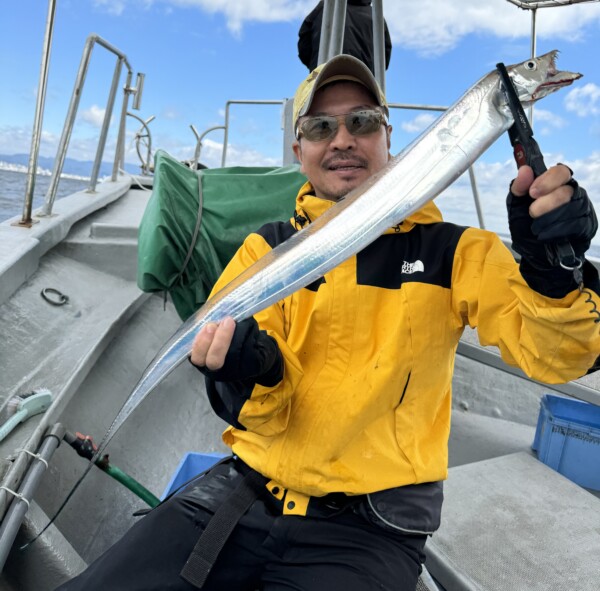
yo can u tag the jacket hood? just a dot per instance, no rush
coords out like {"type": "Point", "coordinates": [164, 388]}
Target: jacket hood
{"type": "Point", "coordinates": [309, 207]}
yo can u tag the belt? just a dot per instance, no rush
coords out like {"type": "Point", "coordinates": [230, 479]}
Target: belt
{"type": "Point", "coordinates": [331, 504]}
{"type": "Point", "coordinates": [219, 528]}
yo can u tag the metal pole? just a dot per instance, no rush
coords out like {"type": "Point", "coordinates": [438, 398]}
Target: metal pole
{"type": "Point", "coordinates": [379, 43]}
{"type": "Point", "coordinates": [198, 147]}
{"type": "Point", "coordinates": [105, 125]}
{"type": "Point", "coordinates": [39, 116]}
{"type": "Point", "coordinates": [199, 139]}
{"type": "Point", "coordinates": [325, 39]}
{"type": "Point", "coordinates": [120, 147]}
{"type": "Point", "coordinates": [472, 178]}
{"type": "Point", "coordinates": [72, 112]}
{"type": "Point", "coordinates": [226, 135]}
{"type": "Point", "coordinates": [136, 104]}
{"type": "Point", "coordinates": [138, 136]}
{"type": "Point", "coordinates": [476, 198]}
{"type": "Point", "coordinates": [416, 107]}
{"type": "Point", "coordinates": [20, 505]}
{"type": "Point", "coordinates": [68, 128]}
{"type": "Point", "coordinates": [289, 136]}
{"type": "Point", "coordinates": [336, 44]}
{"type": "Point", "coordinates": [533, 50]}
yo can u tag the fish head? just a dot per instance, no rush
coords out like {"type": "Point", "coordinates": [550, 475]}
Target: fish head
{"type": "Point", "coordinates": [538, 77]}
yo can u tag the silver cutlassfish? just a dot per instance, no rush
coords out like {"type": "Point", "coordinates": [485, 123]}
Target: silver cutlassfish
{"type": "Point", "coordinates": [416, 175]}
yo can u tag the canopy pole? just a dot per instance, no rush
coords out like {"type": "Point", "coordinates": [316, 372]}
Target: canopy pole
{"type": "Point", "coordinates": [533, 52]}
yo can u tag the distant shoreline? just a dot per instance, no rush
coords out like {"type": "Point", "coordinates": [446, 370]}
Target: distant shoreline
{"type": "Point", "coordinates": [72, 168]}
{"type": "Point", "coordinates": [20, 168]}
{"type": "Point", "coordinates": [11, 194]}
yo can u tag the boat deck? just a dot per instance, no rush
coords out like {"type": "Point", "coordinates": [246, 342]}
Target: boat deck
{"type": "Point", "coordinates": [104, 338]}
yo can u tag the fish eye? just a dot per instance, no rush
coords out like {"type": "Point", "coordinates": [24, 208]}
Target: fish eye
{"type": "Point", "coordinates": [531, 65]}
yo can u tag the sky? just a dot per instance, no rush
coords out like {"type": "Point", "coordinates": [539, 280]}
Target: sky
{"type": "Point", "coordinates": [197, 54]}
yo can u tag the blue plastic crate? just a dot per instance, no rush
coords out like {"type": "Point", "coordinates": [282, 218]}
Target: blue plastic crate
{"type": "Point", "coordinates": [567, 439]}
{"type": "Point", "coordinates": [191, 465]}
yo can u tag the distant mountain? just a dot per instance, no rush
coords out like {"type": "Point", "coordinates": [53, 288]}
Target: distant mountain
{"type": "Point", "coordinates": [71, 166]}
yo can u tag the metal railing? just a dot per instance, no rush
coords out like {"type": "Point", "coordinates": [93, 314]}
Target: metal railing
{"type": "Point", "coordinates": [332, 42]}
{"type": "Point", "coordinates": [472, 177]}
{"type": "Point", "coordinates": [379, 43]}
{"type": "Point", "coordinates": [91, 41]}
{"type": "Point", "coordinates": [491, 358]}
{"type": "Point", "coordinates": [332, 35]}
{"type": "Point", "coordinates": [535, 4]}
{"type": "Point", "coordinates": [242, 102]}
{"type": "Point", "coordinates": [199, 137]}
{"type": "Point", "coordinates": [141, 136]}
{"type": "Point", "coordinates": [26, 220]}
{"type": "Point", "coordinates": [289, 136]}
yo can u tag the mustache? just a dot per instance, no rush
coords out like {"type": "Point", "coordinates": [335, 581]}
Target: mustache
{"type": "Point", "coordinates": [346, 158]}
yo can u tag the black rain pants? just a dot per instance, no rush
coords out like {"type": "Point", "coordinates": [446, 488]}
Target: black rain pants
{"type": "Point", "coordinates": [338, 546]}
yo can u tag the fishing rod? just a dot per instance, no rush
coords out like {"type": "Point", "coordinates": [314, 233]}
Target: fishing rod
{"type": "Point", "coordinates": [526, 150]}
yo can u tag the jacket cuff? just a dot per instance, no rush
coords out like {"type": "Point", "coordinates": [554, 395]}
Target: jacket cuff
{"type": "Point", "coordinates": [556, 282]}
{"type": "Point", "coordinates": [552, 282]}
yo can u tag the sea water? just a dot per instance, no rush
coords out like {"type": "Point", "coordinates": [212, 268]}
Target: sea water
{"type": "Point", "coordinates": [12, 190]}
{"type": "Point", "coordinates": [456, 204]}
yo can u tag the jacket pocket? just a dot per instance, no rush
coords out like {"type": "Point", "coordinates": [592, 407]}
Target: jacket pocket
{"type": "Point", "coordinates": [413, 509]}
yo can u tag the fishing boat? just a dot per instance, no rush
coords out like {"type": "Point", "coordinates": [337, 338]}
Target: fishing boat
{"type": "Point", "coordinates": [89, 292]}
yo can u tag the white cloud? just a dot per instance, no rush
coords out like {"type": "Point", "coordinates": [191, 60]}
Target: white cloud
{"type": "Point", "coordinates": [94, 116]}
{"type": "Point", "coordinates": [236, 12]}
{"type": "Point", "coordinates": [114, 7]}
{"type": "Point", "coordinates": [431, 27]}
{"type": "Point", "coordinates": [493, 179]}
{"type": "Point", "coordinates": [419, 123]}
{"type": "Point", "coordinates": [548, 121]}
{"type": "Point", "coordinates": [548, 117]}
{"type": "Point", "coordinates": [170, 113]}
{"type": "Point", "coordinates": [244, 156]}
{"type": "Point", "coordinates": [584, 101]}
{"type": "Point", "coordinates": [17, 140]}
{"type": "Point", "coordinates": [212, 151]}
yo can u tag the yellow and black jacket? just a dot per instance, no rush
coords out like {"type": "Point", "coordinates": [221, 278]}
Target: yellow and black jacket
{"type": "Point", "coordinates": [365, 398]}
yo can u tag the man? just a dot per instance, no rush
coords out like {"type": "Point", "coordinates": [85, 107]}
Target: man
{"type": "Point", "coordinates": [338, 396]}
{"type": "Point", "coordinates": [358, 35]}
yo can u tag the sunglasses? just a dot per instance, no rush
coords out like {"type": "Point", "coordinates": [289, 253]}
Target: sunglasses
{"type": "Point", "coordinates": [324, 127]}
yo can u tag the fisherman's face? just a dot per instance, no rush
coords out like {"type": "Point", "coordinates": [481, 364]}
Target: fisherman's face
{"type": "Point", "coordinates": [337, 165]}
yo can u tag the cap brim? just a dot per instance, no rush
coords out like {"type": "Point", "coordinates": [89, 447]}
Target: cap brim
{"type": "Point", "coordinates": [342, 67]}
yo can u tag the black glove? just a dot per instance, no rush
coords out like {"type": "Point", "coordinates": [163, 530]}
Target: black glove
{"type": "Point", "coordinates": [535, 239]}
{"type": "Point", "coordinates": [253, 355]}
{"type": "Point", "coordinates": [574, 221]}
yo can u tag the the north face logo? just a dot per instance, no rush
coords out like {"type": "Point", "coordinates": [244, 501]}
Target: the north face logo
{"type": "Point", "coordinates": [409, 268]}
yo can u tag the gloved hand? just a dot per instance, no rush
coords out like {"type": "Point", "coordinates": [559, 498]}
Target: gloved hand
{"type": "Point", "coordinates": [535, 239]}
{"type": "Point", "coordinates": [574, 221]}
{"type": "Point", "coordinates": [252, 355]}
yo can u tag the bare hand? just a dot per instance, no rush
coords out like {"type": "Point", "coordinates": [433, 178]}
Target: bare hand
{"type": "Point", "coordinates": [548, 191]}
{"type": "Point", "coordinates": [212, 343]}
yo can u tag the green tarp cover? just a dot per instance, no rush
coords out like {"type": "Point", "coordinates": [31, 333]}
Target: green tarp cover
{"type": "Point", "coordinates": [235, 202]}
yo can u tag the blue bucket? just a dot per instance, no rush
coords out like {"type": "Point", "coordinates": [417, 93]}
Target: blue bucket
{"type": "Point", "coordinates": [567, 439]}
{"type": "Point", "coordinates": [191, 465]}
